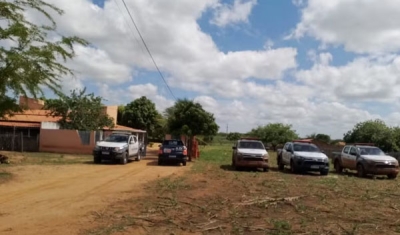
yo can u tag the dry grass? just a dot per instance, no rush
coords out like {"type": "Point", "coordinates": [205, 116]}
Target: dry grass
{"type": "Point", "coordinates": [213, 199]}
{"type": "Point", "coordinates": [38, 158]}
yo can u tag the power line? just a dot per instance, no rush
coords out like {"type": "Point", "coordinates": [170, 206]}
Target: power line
{"type": "Point", "coordinates": [151, 56]}
{"type": "Point", "coordinates": [129, 26]}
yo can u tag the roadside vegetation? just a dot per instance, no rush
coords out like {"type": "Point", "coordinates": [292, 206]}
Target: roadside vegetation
{"type": "Point", "coordinates": [211, 198]}
{"type": "Point", "coordinates": [26, 158]}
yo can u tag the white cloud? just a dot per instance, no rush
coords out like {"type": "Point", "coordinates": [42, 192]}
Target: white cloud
{"type": "Point", "coordinates": [362, 26]}
{"type": "Point", "coordinates": [363, 79]}
{"type": "Point", "coordinates": [226, 14]}
{"type": "Point", "coordinates": [232, 85]}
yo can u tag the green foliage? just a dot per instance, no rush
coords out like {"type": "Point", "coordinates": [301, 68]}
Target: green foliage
{"type": "Point", "coordinates": [320, 137]}
{"type": "Point", "coordinates": [120, 113]}
{"type": "Point", "coordinates": [188, 117]}
{"type": "Point", "coordinates": [233, 136]}
{"type": "Point", "coordinates": [274, 133]}
{"type": "Point", "coordinates": [141, 114]}
{"type": "Point", "coordinates": [31, 60]}
{"type": "Point", "coordinates": [79, 111]}
{"type": "Point", "coordinates": [374, 131]}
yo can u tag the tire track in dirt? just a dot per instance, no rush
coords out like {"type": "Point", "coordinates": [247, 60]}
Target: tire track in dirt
{"type": "Point", "coordinates": [96, 189]}
{"type": "Point", "coordinates": [62, 196]}
{"type": "Point", "coordinates": [60, 182]}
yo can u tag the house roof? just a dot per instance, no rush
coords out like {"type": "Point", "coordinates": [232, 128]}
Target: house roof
{"type": "Point", "coordinates": [37, 116]}
{"type": "Point", "coordinates": [124, 128]}
{"type": "Point", "coordinates": [20, 124]}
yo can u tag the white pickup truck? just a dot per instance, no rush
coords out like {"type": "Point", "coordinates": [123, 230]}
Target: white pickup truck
{"type": "Point", "coordinates": [119, 147]}
{"type": "Point", "coordinates": [303, 156]}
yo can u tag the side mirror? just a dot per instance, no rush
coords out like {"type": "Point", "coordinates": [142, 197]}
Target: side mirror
{"type": "Point", "coordinates": [233, 147]}
{"type": "Point", "coordinates": [132, 141]}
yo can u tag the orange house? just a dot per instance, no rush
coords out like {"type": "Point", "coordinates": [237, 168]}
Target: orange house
{"type": "Point", "coordinates": [35, 130]}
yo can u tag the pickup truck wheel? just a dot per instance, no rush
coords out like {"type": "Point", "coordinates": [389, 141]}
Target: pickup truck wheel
{"type": "Point", "coordinates": [97, 160]}
{"type": "Point", "coordinates": [124, 159]}
{"type": "Point", "coordinates": [360, 170]}
{"type": "Point", "coordinates": [160, 162]}
{"type": "Point", "coordinates": [184, 163]}
{"type": "Point", "coordinates": [392, 176]}
{"type": "Point", "coordinates": [281, 166]}
{"type": "Point", "coordinates": [265, 169]}
{"type": "Point", "coordinates": [324, 172]}
{"type": "Point", "coordinates": [293, 168]}
{"type": "Point", "coordinates": [338, 167]}
{"type": "Point", "coordinates": [138, 156]}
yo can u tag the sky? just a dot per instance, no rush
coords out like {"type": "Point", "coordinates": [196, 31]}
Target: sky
{"type": "Point", "coordinates": [321, 66]}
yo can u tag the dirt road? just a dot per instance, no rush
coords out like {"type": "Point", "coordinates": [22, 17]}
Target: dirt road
{"type": "Point", "coordinates": [57, 199]}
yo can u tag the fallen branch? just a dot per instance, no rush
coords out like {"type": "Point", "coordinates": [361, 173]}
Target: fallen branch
{"type": "Point", "coordinates": [214, 228]}
{"type": "Point", "coordinates": [268, 200]}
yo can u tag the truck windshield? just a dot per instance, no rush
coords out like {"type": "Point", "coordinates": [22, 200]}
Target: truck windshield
{"type": "Point", "coordinates": [305, 148]}
{"type": "Point", "coordinates": [250, 145]}
{"type": "Point", "coordinates": [370, 151]}
{"type": "Point", "coordinates": [116, 138]}
{"type": "Point", "coordinates": [173, 142]}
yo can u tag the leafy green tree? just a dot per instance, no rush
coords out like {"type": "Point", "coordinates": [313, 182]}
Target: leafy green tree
{"type": "Point", "coordinates": [141, 114]}
{"type": "Point", "coordinates": [373, 131]}
{"type": "Point", "coordinates": [79, 111]}
{"type": "Point", "coordinates": [320, 137]}
{"type": "Point", "coordinates": [120, 113]}
{"type": "Point", "coordinates": [233, 136]}
{"type": "Point", "coordinates": [188, 117]}
{"type": "Point", "coordinates": [31, 59]}
{"type": "Point", "coordinates": [274, 133]}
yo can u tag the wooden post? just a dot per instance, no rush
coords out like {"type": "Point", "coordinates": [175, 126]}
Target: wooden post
{"type": "Point", "coordinates": [22, 141]}
{"type": "Point", "coordinates": [13, 139]}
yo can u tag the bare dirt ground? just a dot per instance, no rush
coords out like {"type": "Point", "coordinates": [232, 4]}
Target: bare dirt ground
{"type": "Point", "coordinates": [212, 198]}
{"type": "Point", "coordinates": [57, 199]}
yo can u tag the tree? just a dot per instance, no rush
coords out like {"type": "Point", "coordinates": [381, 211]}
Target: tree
{"type": "Point", "coordinates": [373, 131]}
{"type": "Point", "coordinates": [275, 133]}
{"type": "Point", "coordinates": [141, 114]}
{"type": "Point", "coordinates": [31, 59]}
{"type": "Point", "coordinates": [188, 117]}
{"type": "Point", "coordinates": [120, 113]}
{"type": "Point", "coordinates": [320, 137]}
{"type": "Point", "coordinates": [79, 111]}
{"type": "Point", "coordinates": [233, 136]}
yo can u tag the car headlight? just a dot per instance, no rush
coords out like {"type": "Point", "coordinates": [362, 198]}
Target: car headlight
{"type": "Point", "coordinates": [96, 147]}
{"type": "Point", "coordinates": [300, 157]}
{"type": "Point", "coordinates": [119, 148]}
{"type": "Point", "coordinates": [326, 160]}
{"type": "Point", "coordinates": [265, 156]}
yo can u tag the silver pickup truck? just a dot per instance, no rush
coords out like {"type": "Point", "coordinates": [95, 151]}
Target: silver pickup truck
{"type": "Point", "coordinates": [366, 159]}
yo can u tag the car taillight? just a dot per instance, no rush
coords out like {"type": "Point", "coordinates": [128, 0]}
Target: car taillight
{"type": "Point", "coordinates": [160, 151]}
{"type": "Point", "coordinates": [184, 151]}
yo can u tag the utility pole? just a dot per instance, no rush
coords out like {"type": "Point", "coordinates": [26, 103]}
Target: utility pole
{"type": "Point", "coordinates": [227, 127]}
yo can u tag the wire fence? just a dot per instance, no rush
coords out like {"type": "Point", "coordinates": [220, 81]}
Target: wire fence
{"type": "Point", "coordinates": [19, 142]}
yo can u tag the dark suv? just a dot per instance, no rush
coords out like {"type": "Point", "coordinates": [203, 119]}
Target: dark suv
{"type": "Point", "coordinates": [172, 151]}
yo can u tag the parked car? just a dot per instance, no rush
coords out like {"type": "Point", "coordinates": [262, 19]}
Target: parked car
{"type": "Point", "coordinates": [366, 159]}
{"type": "Point", "coordinates": [173, 151]}
{"type": "Point", "coordinates": [249, 153]}
{"type": "Point", "coordinates": [303, 156]}
{"type": "Point", "coordinates": [118, 147]}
